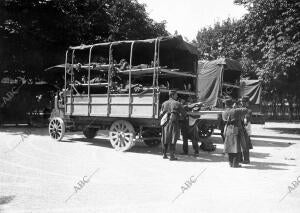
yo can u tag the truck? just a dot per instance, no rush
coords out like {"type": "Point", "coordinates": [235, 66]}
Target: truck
{"type": "Point", "coordinates": [216, 81]}
{"type": "Point", "coordinates": [120, 86]}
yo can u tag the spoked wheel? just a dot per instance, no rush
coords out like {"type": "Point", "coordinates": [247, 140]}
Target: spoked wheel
{"type": "Point", "coordinates": [57, 128]}
{"type": "Point", "coordinates": [90, 132]}
{"type": "Point", "coordinates": [152, 137]}
{"type": "Point", "coordinates": [121, 135]}
{"type": "Point", "coordinates": [205, 131]}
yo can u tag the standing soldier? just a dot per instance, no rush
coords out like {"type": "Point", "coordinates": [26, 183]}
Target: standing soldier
{"type": "Point", "coordinates": [246, 124]}
{"type": "Point", "coordinates": [171, 130]}
{"type": "Point", "coordinates": [234, 142]}
{"type": "Point", "coordinates": [187, 131]}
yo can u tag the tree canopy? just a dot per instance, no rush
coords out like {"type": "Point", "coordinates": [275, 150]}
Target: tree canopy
{"type": "Point", "coordinates": [35, 33]}
{"type": "Point", "coordinates": [266, 41]}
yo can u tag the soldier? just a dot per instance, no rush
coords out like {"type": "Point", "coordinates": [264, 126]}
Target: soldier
{"type": "Point", "coordinates": [171, 130]}
{"type": "Point", "coordinates": [246, 124]}
{"type": "Point", "coordinates": [234, 142]}
{"type": "Point", "coordinates": [186, 131]}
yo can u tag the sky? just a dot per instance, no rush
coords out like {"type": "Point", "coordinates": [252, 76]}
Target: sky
{"type": "Point", "coordinates": [189, 16]}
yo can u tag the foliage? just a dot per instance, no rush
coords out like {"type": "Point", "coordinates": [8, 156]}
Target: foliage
{"type": "Point", "coordinates": [219, 41]}
{"type": "Point", "coordinates": [35, 33]}
{"type": "Point", "coordinates": [266, 41]}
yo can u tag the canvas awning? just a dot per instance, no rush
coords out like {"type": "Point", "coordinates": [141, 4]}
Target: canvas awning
{"type": "Point", "coordinates": [252, 89]}
{"type": "Point", "coordinates": [210, 76]}
{"type": "Point", "coordinates": [171, 41]}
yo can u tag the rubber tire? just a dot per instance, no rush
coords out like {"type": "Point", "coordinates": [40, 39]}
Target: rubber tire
{"type": "Point", "coordinates": [62, 130]}
{"type": "Point", "coordinates": [118, 127]}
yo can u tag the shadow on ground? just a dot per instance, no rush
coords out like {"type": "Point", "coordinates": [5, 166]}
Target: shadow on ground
{"type": "Point", "coordinates": [6, 199]}
{"type": "Point", "coordinates": [275, 137]}
{"type": "Point", "coordinates": [266, 166]}
{"type": "Point", "coordinates": [270, 143]}
{"type": "Point", "coordinates": [217, 156]}
{"type": "Point", "coordinates": [285, 130]}
{"type": "Point", "coordinates": [256, 141]}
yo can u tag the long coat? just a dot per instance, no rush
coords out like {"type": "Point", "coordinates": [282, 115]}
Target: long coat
{"type": "Point", "coordinates": [171, 131]}
{"type": "Point", "coordinates": [247, 117]}
{"type": "Point", "coordinates": [235, 141]}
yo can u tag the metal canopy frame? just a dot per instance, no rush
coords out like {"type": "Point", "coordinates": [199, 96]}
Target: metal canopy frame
{"type": "Point", "coordinates": [111, 65]}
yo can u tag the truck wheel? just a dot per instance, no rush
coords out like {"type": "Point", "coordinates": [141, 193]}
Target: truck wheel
{"type": "Point", "coordinates": [154, 136]}
{"type": "Point", "coordinates": [90, 132]}
{"type": "Point", "coordinates": [57, 128]}
{"type": "Point", "coordinates": [121, 135]}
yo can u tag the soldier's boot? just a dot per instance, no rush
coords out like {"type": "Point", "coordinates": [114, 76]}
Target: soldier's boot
{"type": "Point", "coordinates": [196, 148]}
{"type": "Point", "coordinates": [185, 147]}
{"type": "Point", "coordinates": [235, 160]}
{"type": "Point", "coordinates": [246, 157]}
{"type": "Point", "coordinates": [172, 152]}
{"type": "Point", "coordinates": [230, 159]}
{"type": "Point", "coordinates": [164, 150]}
{"type": "Point", "coordinates": [240, 157]}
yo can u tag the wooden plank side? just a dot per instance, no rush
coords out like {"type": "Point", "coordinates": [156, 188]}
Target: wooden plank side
{"type": "Point", "coordinates": [99, 110]}
{"type": "Point", "coordinates": [81, 99]}
{"type": "Point", "coordinates": [119, 110]}
{"type": "Point", "coordinates": [142, 111]}
{"type": "Point", "coordinates": [147, 99]}
{"type": "Point", "coordinates": [141, 106]}
{"type": "Point", "coordinates": [119, 99]}
{"type": "Point", "coordinates": [81, 109]}
{"type": "Point", "coordinates": [99, 100]}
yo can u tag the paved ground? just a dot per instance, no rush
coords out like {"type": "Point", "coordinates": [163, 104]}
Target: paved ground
{"type": "Point", "coordinates": [38, 174]}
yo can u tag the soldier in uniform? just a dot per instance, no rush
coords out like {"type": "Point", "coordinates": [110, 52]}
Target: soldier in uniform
{"type": "Point", "coordinates": [246, 124]}
{"type": "Point", "coordinates": [186, 131]}
{"type": "Point", "coordinates": [234, 142]}
{"type": "Point", "coordinates": [171, 130]}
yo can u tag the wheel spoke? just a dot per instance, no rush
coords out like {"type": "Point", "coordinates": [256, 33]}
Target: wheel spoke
{"type": "Point", "coordinates": [116, 143]}
{"type": "Point", "coordinates": [114, 136]}
{"type": "Point", "coordinates": [121, 135]}
{"type": "Point", "coordinates": [123, 143]}
{"type": "Point", "coordinates": [56, 128]}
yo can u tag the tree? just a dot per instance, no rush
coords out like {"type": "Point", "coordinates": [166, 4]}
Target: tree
{"type": "Point", "coordinates": [265, 41]}
{"type": "Point", "coordinates": [273, 31]}
{"type": "Point", "coordinates": [35, 33]}
{"type": "Point", "coordinates": [220, 41]}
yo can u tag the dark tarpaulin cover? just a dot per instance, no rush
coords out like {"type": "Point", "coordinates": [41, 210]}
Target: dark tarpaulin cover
{"type": "Point", "coordinates": [169, 43]}
{"type": "Point", "coordinates": [252, 89]}
{"type": "Point", "coordinates": [210, 78]}
{"type": "Point", "coordinates": [209, 82]}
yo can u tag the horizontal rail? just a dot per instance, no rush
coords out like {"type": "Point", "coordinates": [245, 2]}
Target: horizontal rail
{"type": "Point", "coordinates": [161, 70]}
{"type": "Point", "coordinates": [83, 46]}
{"type": "Point", "coordinates": [230, 85]}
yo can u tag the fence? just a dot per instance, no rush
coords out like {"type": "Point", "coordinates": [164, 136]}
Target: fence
{"type": "Point", "coordinates": [281, 111]}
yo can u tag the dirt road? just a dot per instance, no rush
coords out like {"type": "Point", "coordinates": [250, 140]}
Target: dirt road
{"type": "Point", "coordinates": [38, 174]}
